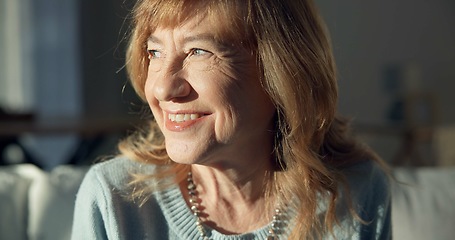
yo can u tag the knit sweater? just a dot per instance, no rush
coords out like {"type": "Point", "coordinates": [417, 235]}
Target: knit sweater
{"type": "Point", "coordinates": [104, 208]}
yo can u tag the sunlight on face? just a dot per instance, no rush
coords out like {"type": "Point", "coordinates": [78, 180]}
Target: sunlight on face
{"type": "Point", "coordinates": [206, 95]}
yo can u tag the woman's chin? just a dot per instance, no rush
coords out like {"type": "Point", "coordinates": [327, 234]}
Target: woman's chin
{"type": "Point", "coordinates": [181, 157]}
{"type": "Point", "coordinates": [186, 152]}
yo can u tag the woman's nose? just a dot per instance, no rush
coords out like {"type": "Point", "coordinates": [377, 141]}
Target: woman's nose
{"type": "Point", "coordinates": [170, 83]}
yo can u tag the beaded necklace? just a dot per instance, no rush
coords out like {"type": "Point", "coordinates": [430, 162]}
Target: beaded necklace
{"type": "Point", "coordinates": [275, 228]}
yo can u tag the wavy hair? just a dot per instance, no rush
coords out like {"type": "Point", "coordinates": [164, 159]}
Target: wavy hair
{"type": "Point", "coordinates": [312, 143]}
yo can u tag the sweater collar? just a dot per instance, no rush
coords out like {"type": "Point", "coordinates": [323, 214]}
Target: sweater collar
{"type": "Point", "coordinates": [181, 220]}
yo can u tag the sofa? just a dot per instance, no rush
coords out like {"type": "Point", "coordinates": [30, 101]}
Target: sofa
{"type": "Point", "coordinates": [35, 204]}
{"type": "Point", "coordinates": [38, 205]}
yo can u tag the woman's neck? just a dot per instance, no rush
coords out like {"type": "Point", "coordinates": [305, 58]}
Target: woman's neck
{"type": "Point", "coordinates": [234, 201]}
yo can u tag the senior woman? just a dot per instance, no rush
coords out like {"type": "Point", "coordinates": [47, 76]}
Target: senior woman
{"type": "Point", "coordinates": [245, 142]}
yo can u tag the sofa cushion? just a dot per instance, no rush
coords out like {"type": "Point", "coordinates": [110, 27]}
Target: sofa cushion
{"type": "Point", "coordinates": [423, 203]}
{"type": "Point", "coordinates": [14, 185]}
{"type": "Point", "coordinates": [52, 201]}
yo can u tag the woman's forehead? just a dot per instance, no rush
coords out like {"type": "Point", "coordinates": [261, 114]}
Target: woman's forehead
{"type": "Point", "coordinates": [173, 13]}
{"type": "Point", "coordinates": [208, 25]}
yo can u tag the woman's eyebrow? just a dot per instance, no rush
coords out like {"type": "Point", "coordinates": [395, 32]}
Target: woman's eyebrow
{"type": "Point", "coordinates": [154, 39]}
{"type": "Point", "coordinates": [206, 37]}
{"type": "Point", "coordinates": [203, 37]}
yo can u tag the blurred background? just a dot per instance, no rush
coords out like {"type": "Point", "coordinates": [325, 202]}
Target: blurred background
{"type": "Point", "coordinates": [65, 101]}
{"type": "Point", "coordinates": [396, 75]}
{"type": "Point", "coordinates": [63, 89]}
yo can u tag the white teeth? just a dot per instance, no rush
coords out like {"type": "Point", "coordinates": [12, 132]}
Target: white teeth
{"type": "Point", "coordinates": [179, 117]}
{"type": "Point", "coordinates": [187, 117]}
{"type": "Point", "coordinates": [183, 117]}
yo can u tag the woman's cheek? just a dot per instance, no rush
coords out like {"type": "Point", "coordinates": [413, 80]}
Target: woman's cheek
{"type": "Point", "coordinates": [203, 65]}
{"type": "Point", "coordinates": [155, 65]}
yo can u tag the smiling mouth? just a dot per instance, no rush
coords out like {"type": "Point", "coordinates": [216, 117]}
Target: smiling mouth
{"type": "Point", "coordinates": [180, 117]}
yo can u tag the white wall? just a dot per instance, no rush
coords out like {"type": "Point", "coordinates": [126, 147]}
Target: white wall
{"type": "Point", "coordinates": [370, 35]}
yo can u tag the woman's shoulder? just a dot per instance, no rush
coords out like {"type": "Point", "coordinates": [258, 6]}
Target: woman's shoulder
{"type": "Point", "coordinates": [369, 197]}
{"type": "Point", "coordinates": [120, 164]}
{"type": "Point", "coordinates": [105, 207]}
{"type": "Point", "coordinates": [118, 171]}
{"type": "Point", "coordinates": [366, 170]}
{"type": "Point", "coordinates": [368, 179]}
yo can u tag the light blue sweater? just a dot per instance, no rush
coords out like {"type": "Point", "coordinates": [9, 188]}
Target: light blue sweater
{"type": "Point", "coordinates": [104, 209]}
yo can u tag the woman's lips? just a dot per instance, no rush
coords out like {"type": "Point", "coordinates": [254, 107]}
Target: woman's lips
{"type": "Point", "coordinates": [180, 121]}
{"type": "Point", "coordinates": [183, 117]}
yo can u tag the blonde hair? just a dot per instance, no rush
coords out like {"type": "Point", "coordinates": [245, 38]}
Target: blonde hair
{"type": "Point", "coordinates": [288, 37]}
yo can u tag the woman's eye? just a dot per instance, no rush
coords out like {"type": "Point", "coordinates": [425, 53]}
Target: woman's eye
{"type": "Point", "coordinates": [199, 52]}
{"type": "Point", "coordinates": [153, 54]}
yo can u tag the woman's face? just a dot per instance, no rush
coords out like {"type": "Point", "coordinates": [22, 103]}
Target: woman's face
{"type": "Point", "coordinates": [206, 95]}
